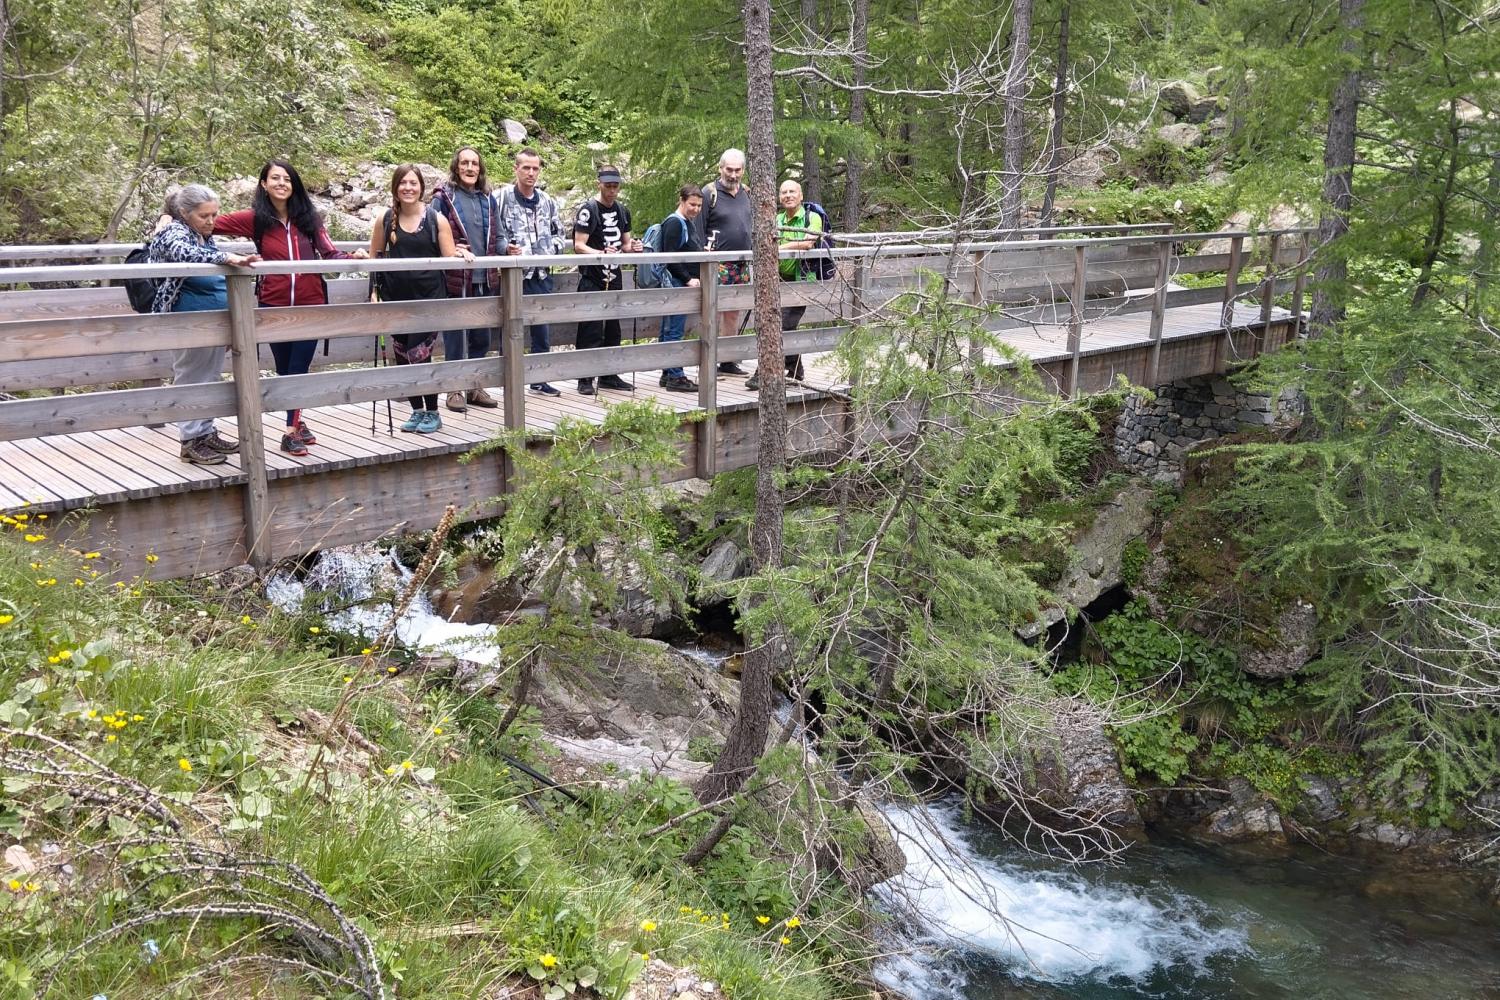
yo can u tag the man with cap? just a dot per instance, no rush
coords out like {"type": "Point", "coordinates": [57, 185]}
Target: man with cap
{"type": "Point", "coordinates": [602, 228]}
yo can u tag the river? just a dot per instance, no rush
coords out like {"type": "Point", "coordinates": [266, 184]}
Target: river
{"type": "Point", "coordinates": [1181, 919]}
{"type": "Point", "coordinates": [1173, 919]}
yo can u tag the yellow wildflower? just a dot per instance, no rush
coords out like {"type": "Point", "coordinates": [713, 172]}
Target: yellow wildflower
{"type": "Point", "coordinates": [33, 887]}
{"type": "Point", "coordinates": [53, 660]}
{"type": "Point", "coordinates": [185, 764]}
{"type": "Point", "coordinates": [794, 923]}
{"type": "Point", "coordinates": [41, 517]}
{"type": "Point", "coordinates": [15, 885]}
{"type": "Point", "coordinates": [407, 765]}
{"type": "Point", "coordinates": [152, 557]}
{"type": "Point", "coordinates": [91, 555]}
{"type": "Point", "coordinates": [7, 619]}
{"type": "Point", "coordinates": [390, 770]}
{"type": "Point", "coordinates": [390, 670]}
{"type": "Point", "coordinates": [704, 919]}
{"type": "Point", "coordinates": [648, 926]}
{"type": "Point", "coordinates": [348, 678]}
{"type": "Point", "coordinates": [36, 538]}
{"type": "Point", "coordinates": [365, 651]}
{"type": "Point", "coordinates": [437, 730]}
{"type": "Point", "coordinates": [92, 713]}
{"type": "Point", "coordinates": [547, 961]}
{"type": "Point", "coordinates": [77, 582]}
{"type": "Point", "coordinates": [786, 940]}
{"type": "Point", "coordinates": [684, 909]}
{"type": "Point", "coordinates": [110, 738]}
{"type": "Point", "coordinates": [762, 920]}
{"type": "Point", "coordinates": [64, 654]}
{"type": "Point", "coordinates": [245, 619]}
{"type": "Point", "coordinates": [314, 629]}
{"type": "Point", "coordinates": [137, 718]}
{"type": "Point", "coordinates": [645, 956]}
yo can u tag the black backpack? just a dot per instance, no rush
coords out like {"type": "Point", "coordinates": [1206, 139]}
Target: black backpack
{"type": "Point", "coordinates": [820, 266]}
{"type": "Point", "coordinates": [140, 291]}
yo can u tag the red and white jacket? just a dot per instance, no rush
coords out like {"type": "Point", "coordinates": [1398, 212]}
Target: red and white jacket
{"type": "Point", "coordinates": [284, 242]}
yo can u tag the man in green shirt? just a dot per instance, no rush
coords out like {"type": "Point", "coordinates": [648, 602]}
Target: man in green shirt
{"type": "Point", "coordinates": [797, 229]}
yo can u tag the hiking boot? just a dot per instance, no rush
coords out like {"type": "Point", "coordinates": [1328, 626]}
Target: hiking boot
{"type": "Point", "coordinates": [614, 382]}
{"type": "Point", "coordinates": [414, 421]}
{"type": "Point", "coordinates": [585, 387]}
{"type": "Point", "coordinates": [753, 382]}
{"type": "Point", "coordinates": [292, 445]}
{"type": "Point", "coordinates": [544, 389]}
{"type": "Point", "coordinates": [478, 397]}
{"type": "Point", "coordinates": [304, 433]}
{"type": "Point", "coordinates": [457, 403]}
{"type": "Point", "coordinates": [220, 444]}
{"type": "Point", "coordinates": [198, 452]}
{"type": "Point", "coordinates": [678, 383]}
{"type": "Point", "coordinates": [730, 368]}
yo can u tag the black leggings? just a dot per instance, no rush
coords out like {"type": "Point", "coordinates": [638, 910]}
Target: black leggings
{"type": "Point", "coordinates": [293, 357]}
{"type": "Point", "coordinates": [409, 340]}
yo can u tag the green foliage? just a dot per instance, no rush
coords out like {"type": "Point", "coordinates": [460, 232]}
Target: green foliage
{"type": "Point", "coordinates": [1193, 207]}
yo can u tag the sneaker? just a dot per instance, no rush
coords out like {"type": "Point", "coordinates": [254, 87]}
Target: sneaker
{"type": "Point", "coordinates": [545, 389]}
{"type": "Point", "coordinates": [457, 403]}
{"type": "Point", "coordinates": [220, 444]}
{"type": "Point", "coordinates": [479, 397]}
{"type": "Point", "coordinates": [585, 387]}
{"type": "Point", "coordinates": [614, 382]}
{"type": "Point", "coordinates": [753, 382]}
{"type": "Point", "coordinates": [796, 372]}
{"type": "Point", "coordinates": [678, 383]}
{"type": "Point", "coordinates": [198, 452]}
{"type": "Point", "coordinates": [414, 422]}
{"type": "Point", "coordinates": [292, 445]}
{"type": "Point", "coordinates": [304, 433]}
{"type": "Point", "coordinates": [431, 423]}
{"type": "Point", "coordinates": [730, 368]}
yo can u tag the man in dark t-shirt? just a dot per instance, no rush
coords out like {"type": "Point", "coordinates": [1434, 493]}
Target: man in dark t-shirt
{"type": "Point", "coordinates": [602, 228]}
{"type": "Point", "coordinates": [724, 224]}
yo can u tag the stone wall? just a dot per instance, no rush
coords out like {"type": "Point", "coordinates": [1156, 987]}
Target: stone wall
{"type": "Point", "coordinates": [1151, 437]}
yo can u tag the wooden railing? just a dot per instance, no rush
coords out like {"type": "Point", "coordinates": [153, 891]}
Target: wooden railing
{"type": "Point", "coordinates": [78, 336]}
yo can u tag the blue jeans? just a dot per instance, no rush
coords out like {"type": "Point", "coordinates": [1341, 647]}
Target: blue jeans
{"type": "Point", "coordinates": [540, 332]}
{"type": "Point", "coordinates": [672, 327]}
{"type": "Point", "coordinates": [459, 345]}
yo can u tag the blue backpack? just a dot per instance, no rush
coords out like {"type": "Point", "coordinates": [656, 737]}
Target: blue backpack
{"type": "Point", "coordinates": [655, 275]}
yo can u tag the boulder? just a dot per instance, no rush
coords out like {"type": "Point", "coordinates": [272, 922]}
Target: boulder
{"type": "Point", "coordinates": [1295, 646]}
{"type": "Point", "coordinates": [1248, 816]}
{"type": "Point", "coordinates": [1096, 563]}
{"type": "Point", "coordinates": [1322, 800]}
{"type": "Point", "coordinates": [1203, 109]}
{"type": "Point", "coordinates": [1181, 135]}
{"type": "Point", "coordinates": [1078, 775]}
{"type": "Point", "coordinates": [1280, 217]}
{"type": "Point", "coordinates": [1085, 170]}
{"type": "Point", "coordinates": [1178, 97]}
{"type": "Point", "coordinates": [239, 191]}
{"type": "Point", "coordinates": [515, 132]}
{"type": "Point", "coordinates": [725, 562]}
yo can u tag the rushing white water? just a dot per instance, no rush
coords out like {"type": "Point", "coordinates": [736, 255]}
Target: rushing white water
{"type": "Point", "coordinates": [353, 576]}
{"type": "Point", "coordinates": [1048, 926]}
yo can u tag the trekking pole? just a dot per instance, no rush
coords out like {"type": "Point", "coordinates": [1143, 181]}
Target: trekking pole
{"type": "Point", "coordinates": [390, 421]}
{"type": "Point", "coordinates": [374, 363]}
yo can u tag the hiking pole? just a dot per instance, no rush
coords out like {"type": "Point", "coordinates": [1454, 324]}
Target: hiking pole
{"type": "Point", "coordinates": [390, 422]}
{"type": "Point", "coordinates": [374, 363]}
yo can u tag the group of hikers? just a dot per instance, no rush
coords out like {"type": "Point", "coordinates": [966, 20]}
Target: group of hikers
{"type": "Point", "coordinates": [465, 218]}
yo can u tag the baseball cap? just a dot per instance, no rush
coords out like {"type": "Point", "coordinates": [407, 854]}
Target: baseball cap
{"type": "Point", "coordinates": [610, 175]}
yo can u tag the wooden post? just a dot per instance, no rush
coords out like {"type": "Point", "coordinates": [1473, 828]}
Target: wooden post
{"type": "Point", "coordinates": [976, 299]}
{"type": "Point", "coordinates": [245, 365]}
{"type": "Point", "coordinates": [1159, 311]}
{"type": "Point", "coordinates": [860, 288]}
{"type": "Point", "coordinates": [708, 368]}
{"type": "Point", "coordinates": [1075, 320]}
{"type": "Point", "coordinates": [513, 365]}
{"type": "Point", "coordinates": [1300, 286]}
{"type": "Point", "coordinates": [1226, 313]}
{"type": "Point", "coordinates": [1267, 298]}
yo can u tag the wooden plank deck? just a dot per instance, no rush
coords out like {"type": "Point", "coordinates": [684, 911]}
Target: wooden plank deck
{"type": "Point", "coordinates": [97, 468]}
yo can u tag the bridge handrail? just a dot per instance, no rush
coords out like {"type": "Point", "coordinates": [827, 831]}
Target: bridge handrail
{"type": "Point", "coordinates": [108, 272]}
{"type": "Point", "coordinates": [45, 251]}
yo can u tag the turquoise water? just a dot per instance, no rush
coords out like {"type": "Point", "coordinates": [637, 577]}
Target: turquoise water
{"type": "Point", "coordinates": [1179, 919]}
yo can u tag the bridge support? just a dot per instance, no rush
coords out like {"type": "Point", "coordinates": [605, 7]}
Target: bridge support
{"type": "Point", "coordinates": [245, 363]}
{"type": "Point", "coordinates": [708, 369]}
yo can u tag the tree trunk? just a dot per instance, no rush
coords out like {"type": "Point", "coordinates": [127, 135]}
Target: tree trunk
{"type": "Point", "coordinates": [746, 740]}
{"type": "Point", "coordinates": [859, 41]}
{"type": "Point", "coordinates": [1338, 178]}
{"type": "Point", "coordinates": [1484, 260]}
{"type": "Point", "coordinates": [812, 173]}
{"type": "Point", "coordinates": [1059, 106]}
{"type": "Point", "coordinates": [1014, 156]}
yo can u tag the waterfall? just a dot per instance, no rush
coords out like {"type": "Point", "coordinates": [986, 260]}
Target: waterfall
{"type": "Point", "coordinates": [1056, 926]}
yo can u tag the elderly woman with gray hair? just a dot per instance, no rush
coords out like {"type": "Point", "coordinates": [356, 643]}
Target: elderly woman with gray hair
{"type": "Point", "coordinates": [189, 239]}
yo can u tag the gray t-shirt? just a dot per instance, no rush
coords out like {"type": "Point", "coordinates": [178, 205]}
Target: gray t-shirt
{"type": "Point", "coordinates": [728, 213]}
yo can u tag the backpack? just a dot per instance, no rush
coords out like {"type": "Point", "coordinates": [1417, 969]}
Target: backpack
{"type": "Point", "coordinates": [820, 267]}
{"type": "Point", "coordinates": [649, 275]}
{"type": "Point", "coordinates": [140, 291]}
{"type": "Point", "coordinates": [655, 275]}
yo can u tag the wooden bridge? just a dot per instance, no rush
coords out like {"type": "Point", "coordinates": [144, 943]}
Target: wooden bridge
{"type": "Point", "coordinates": [73, 442]}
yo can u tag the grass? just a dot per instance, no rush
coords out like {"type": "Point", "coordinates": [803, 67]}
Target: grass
{"type": "Point", "coordinates": [463, 875]}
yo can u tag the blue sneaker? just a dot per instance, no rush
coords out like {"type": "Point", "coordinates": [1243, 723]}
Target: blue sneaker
{"type": "Point", "coordinates": [431, 422]}
{"type": "Point", "coordinates": [414, 422]}
{"type": "Point", "coordinates": [545, 389]}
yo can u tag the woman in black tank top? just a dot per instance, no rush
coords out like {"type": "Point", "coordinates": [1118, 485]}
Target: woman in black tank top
{"type": "Point", "coordinates": [411, 230]}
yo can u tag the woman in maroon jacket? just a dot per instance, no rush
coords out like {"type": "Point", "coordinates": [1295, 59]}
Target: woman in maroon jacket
{"type": "Point", "coordinates": [285, 226]}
